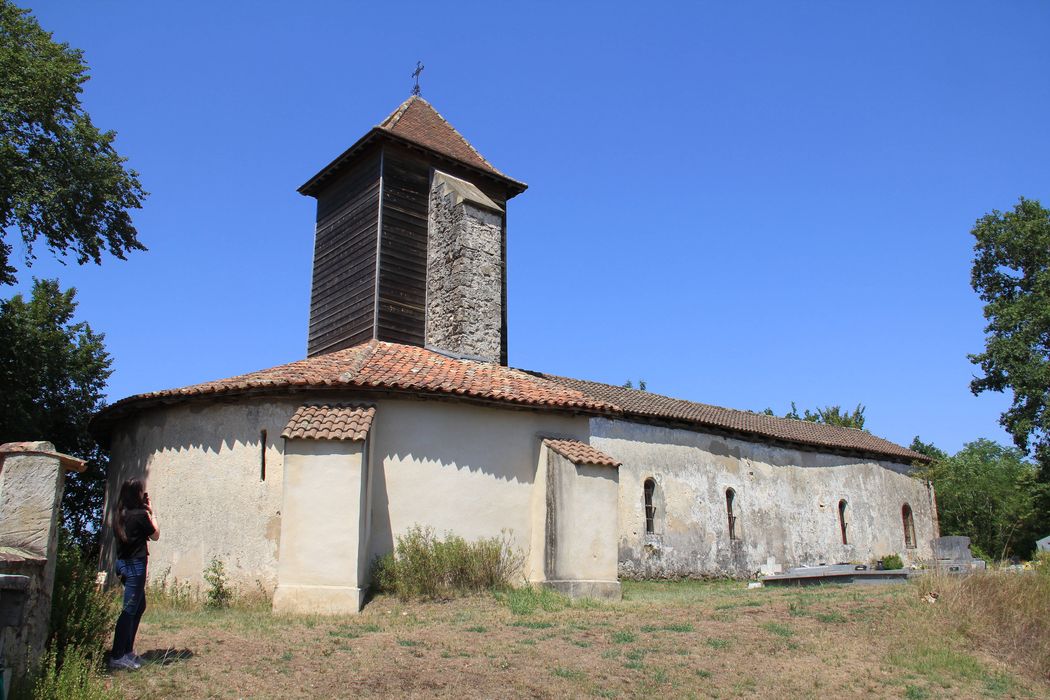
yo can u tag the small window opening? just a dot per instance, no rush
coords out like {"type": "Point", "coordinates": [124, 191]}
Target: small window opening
{"type": "Point", "coordinates": [843, 522]}
{"type": "Point", "coordinates": [262, 455]}
{"type": "Point", "coordinates": [730, 497]}
{"type": "Point", "coordinates": [909, 526]}
{"type": "Point", "coordinates": [648, 489]}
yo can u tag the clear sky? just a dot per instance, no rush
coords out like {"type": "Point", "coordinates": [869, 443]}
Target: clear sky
{"type": "Point", "coordinates": [743, 203]}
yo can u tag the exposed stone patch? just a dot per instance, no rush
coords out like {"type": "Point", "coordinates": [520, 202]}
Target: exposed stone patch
{"type": "Point", "coordinates": [464, 309]}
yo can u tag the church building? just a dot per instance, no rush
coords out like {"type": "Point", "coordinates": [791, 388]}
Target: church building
{"type": "Point", "coordinates": [405, 412]}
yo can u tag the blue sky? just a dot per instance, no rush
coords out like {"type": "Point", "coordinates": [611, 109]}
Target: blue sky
{"type": "Point", "coordinates": [745, 204]}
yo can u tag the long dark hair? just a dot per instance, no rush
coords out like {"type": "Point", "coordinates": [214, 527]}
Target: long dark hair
{"type": "Point", "coordinates": [132, 497]}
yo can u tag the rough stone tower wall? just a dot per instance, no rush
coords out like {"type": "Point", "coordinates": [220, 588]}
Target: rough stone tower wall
{"type": "Point", "coordinates": [464, 307]}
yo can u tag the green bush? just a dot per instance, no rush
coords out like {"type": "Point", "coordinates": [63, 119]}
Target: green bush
{"type": "Point", "coordinates": [82, 616]}
{"type": "Point", "coordinates": [423, 566]}
{"type": "Point", "coordinates": [77, 677]}
{"type": "Point", "coordinates": [219, 593]}
{"type": "Point", "coordinates": [892, 561]}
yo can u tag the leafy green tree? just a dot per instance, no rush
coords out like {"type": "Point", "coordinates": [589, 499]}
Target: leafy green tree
{"type": "Point", "coordinates": [60, 177]}
{"type": "Point", "coordinates": [1011, 273]}
{"type": "Point", "coordinates": [928, 449]}
{"type": "Point", "coordinates": [52, 374]}
{"type": "Point", "coordinates": [988, 493]}
{"type": "Point", "coordinates": [829, 415]}
{"type": "Point", "coordinates": [630, 385]}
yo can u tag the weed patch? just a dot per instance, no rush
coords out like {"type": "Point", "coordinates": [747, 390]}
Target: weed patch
{"type": "Point", "coordinates": [778, 629]}
{"type": "Point", "coordinates": [424, 566]}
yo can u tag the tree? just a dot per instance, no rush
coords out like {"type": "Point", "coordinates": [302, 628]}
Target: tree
{"type": "Point", "coordinates": [988, 493]}
{"type": "Point", "coordinates": [1011, 273]}
{"type": "Point", "coordinates": [630, 385]}
{"type": "Point", "coordinates": [60, 177]}
{"type": "Point", "coordinates": [829, 415]}
{"type": "Point", "coordinates": [52, 374]}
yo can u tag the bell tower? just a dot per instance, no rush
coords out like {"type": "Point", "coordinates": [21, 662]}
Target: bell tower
{"type": "Point", "coordinates": [411, 240]}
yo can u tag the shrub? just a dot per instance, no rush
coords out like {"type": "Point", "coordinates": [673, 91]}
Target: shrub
{"type": "Point", "coordinates": [423, 566]}
{"type": "Point", "coordinates": [219, 593]}
{"type": "Point", "coordinates": [892, 561]}
{"type": "Point", "coordinates": [77, 677]}
{"type": "Point", "coordinates": [82, 616]}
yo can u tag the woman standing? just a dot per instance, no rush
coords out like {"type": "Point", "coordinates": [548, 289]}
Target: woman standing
{"type": "Point", "coordinates": [133, 525]}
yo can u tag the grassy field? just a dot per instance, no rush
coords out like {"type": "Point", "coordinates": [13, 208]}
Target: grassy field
{"type": "Point", "coordinates": [665, 639]}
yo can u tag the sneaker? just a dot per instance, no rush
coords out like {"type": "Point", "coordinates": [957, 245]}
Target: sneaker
{"type": "Point", "coordinates": [126, 662]}
{"type": "Point", "coordinates": [138, 659]}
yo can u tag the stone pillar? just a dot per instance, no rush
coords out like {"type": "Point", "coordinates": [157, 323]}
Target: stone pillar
{"type": "Point", "coordinates": [464, 307]}
{"type": "Point", "coordinates": [324, 529]}
{"type": "Point", "coordinates": [32, 477]}
{"type": "Point", "coordinates": [582, 527]}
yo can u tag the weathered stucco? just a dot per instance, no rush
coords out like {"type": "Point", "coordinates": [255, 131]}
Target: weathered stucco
{"type": "Point", "coordinates": [464, 307]}
{"type": "Point", "coordinates": [203, 463]}
{"type": "Point", "coordinates": [581, 528]}
{"type": "Point", "coordinates": [463, 469]}
{"type": "Point", "coordinates": [324, 527]}
{"type": "Point", "coordinates": [457, 468]}
{"type": "Point", "coordinates": [481, 471]}
{"type": "Point", "coordinates": [31, 485]}
{"type": "Point", "coordinates": [786, 503]}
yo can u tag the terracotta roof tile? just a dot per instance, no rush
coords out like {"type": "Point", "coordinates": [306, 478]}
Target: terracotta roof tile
{"type": "Point", "coordinates": [381, 366]}
{"type": "Point", "coordinates": [417, 121]}
{"type": "Point", "coordinates": [580, 452]}
{"type": "Point", "coordinates": [390, 367]}
{"type": "Point", "coordinates": [330, 422]}
{"type": "Point", "coordinates": [645, 404]}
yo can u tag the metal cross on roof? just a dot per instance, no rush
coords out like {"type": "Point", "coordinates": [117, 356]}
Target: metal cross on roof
{"type": "Point", "coordinates": [415, 74]}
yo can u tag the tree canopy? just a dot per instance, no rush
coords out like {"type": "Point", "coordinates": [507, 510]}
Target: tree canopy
{"type": "Point", "coordinates": [988, 493]}
{"type": "Point", "coordinates": [1011, 273]}
{"type": "Point", "coordinates": [829, 415]}
{"type": "Point", "coordinates": [61, 180]}
{"type": "Point", "coordinates": [53, 370]}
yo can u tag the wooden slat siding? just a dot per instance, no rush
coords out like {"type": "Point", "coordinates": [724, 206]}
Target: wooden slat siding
{"type": "Point", "coordinates": [342, 300]}
{"type": "Point", "coordinates": [403, 251]}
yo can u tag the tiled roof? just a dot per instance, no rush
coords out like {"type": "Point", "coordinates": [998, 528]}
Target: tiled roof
{"type": "Point", "coordinates": [385, 367]}
{"type": "Point", "coordinates": [580, 452]}
{"type": "Point", "coordinates": [417, 121]}
{"type": "Point", "coordinates": [330, 422]}
{"type": "Point", "coordinates": [389, 367]}
{"type": "Point", "coordinates": [644, 404]}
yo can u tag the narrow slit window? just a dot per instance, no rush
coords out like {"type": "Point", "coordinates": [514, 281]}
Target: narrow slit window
{"type": "Point", "coordinates": [909, 526]}
{"type": "Point", "coordinates": [843, 520]}
{"type": "Point", "coordinates": [648, 491]}
{"type": "Point", "coordinates": [730, 497]}
{"type": "Point", "coordinates": [262, 455]}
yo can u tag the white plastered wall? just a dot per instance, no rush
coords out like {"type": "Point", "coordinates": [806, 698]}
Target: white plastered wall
{"type": "Point", "coordinates": [463, 469]}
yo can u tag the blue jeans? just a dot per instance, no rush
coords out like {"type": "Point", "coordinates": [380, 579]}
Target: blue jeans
{"type": "Point", "coordinates": [134, 573]}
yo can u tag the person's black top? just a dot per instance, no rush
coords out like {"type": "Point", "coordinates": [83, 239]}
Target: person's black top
{"type": "Point", "coordinates": [137, 528]}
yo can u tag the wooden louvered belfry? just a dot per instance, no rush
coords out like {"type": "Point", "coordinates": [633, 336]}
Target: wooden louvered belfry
{"type": "Point", "coordinates": [370, 249]}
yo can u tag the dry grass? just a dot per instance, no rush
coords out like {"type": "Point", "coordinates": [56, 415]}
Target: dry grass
{"type": "Point", "coordinates": [1004, 613]}
{"type": "Point", "coordinates": [665, 639]}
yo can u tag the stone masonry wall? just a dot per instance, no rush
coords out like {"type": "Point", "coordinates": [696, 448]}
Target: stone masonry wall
{"type": "Point", "coordinates": [464, 308]}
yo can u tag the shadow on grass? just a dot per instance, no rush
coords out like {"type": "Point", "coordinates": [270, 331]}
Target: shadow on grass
{"type": "Point", "coordinates": [166, 657]}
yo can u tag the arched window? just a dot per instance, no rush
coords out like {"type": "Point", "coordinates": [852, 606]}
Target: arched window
{"type": "Point", "coordinates": [843, 521]}
{"type": "Point", "coordinates": [648, 491]}
{"type": "Point", "coordinates": [730, 497]}
{"type": "Point", "coordinates": [909, 526]}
